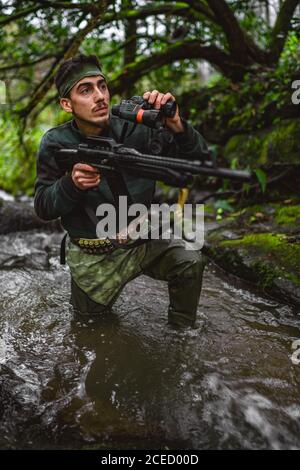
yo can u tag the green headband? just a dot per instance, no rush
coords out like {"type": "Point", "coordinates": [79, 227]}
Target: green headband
{"type": "Point", "coordinates": [86, 71]}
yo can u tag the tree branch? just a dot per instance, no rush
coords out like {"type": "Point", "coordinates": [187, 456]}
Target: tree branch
{"type": "Point", "coordinates": [133, 38]}
{"type": "Point", "coordinates": [42, 4]}
{"type": "Point", "coordinates": [84, 7]}
{"type": "Point", "coordinates": [203, 9]}
{"type": "Point", "coordinates": [130, 33]}
{"type": "Point", "coordinates": [27, 64]}
{"type": "Point", "coordinates": [191, 49]}
{"type": "Point", "coordinates": [281, 29]}
{"type": "Point", "coordinates": [72, 47]}
{"type": "Point", "coordinates": [241, 46]}
{"type": "Point", "coordinates": [8, 18]}
{"type": "Point", "coordinates": [130, 49]}
{"type": "Point", "coordinates": [42, 106]}
{"type": "Point", "coordinates": [137, 14]}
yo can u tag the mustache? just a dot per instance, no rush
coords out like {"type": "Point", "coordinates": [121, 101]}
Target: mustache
{"type": "Point", "coordinates": [100, 106]}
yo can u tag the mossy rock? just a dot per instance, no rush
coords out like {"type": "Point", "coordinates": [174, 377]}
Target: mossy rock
{"type": "Point", "coordinates": [261, 244]}
{"type": "Point", "coordinates": [269, 260]}
{"type": "Point", "coordinates": [274, 250]}
{"type": "Point", "coordinates": [273, 217]}
{"type": "Point", "coordinates": [277, 145]}
{"type": "Point", "coordinates": [289, 216]}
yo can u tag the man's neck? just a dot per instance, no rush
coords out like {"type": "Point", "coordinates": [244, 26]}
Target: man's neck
{"type": "Point", "coordinates": [89, 129]}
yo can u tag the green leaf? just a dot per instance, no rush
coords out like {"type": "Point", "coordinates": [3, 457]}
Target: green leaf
{"type": "Point", "coordinates": [223, 205]}
{"type": "Point", "coordinates": [262, 178]}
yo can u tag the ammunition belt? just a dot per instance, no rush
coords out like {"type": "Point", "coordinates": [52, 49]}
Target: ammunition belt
{"type": "Point", "coordinates": [94, 246]}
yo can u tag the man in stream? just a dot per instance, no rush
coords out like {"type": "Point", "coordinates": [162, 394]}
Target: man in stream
{"type": "Point", "coordinates": [98, 276]}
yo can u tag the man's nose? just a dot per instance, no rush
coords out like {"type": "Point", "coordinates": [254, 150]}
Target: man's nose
{"type": "Point", "coordinates": [98, 95]}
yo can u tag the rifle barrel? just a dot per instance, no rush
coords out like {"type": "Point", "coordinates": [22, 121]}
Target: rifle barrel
{"type": "Point", "coordinates": [133, 158]}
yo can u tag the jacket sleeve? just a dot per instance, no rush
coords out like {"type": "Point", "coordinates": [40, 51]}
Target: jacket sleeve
{"type": "Point", "coordinates": [189, 144]}
{"type": "Point", "coordinates": [55, 193]}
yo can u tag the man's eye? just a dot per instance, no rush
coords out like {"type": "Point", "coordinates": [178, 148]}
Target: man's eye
{"type": "Point", "coordinates": [84, 91]}
{"type": "Point", "coordinates": [103, 86]}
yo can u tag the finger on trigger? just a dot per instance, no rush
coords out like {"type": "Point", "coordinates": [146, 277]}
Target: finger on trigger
{"type": "Point", "coordinates": [90, 174]}
{"type": "Point", "coordinates": [85, 167]}
{"type": "Point", "coordinates": [86, 175]}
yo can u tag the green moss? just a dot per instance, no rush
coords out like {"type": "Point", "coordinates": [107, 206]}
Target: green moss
{"type": "Point", "coordinates": [279, 144]}
{"type": "Point", "coordinates": [282, 215]}
{"type": "Point", "coordinates": [288, 215]}
{"type": "Point", "coordinates": [251, 210]}
{"type": "Point", "coordinates": [274, 252]}
{"type": "Point", "coordinates": [267, 274]}
{"type": "Point", "coordinates": [263, 240]}
{"type": "Point", "coordinates": [246, 148]}
{"type": "Point", "coordinates": [282, 144]}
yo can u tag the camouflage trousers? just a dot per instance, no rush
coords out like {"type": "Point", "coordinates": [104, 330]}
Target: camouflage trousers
{"type": "Point", "coordinates": [97, 280]}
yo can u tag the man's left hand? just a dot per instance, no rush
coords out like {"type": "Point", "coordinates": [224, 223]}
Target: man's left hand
{"type": "Point", "coordinates": [158, 99]}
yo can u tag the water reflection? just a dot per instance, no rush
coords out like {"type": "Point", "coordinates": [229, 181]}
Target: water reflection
{"type": "Point", "coordinates": [128, 380]}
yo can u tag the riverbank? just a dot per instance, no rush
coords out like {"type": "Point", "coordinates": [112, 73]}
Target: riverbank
{"type": "Point", "coordinates": [261, 244]}
{"type": "Point", "coordinates": [258, 243]}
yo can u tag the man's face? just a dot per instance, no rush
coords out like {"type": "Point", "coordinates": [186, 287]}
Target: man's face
{"type": "Point", "coordinates": [89, 101]}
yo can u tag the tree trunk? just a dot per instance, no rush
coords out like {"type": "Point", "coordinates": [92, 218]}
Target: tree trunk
{"type": "Point", "coordinates": [131, 46]}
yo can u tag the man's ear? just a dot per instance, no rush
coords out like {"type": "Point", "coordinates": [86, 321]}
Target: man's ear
{"type": "Point", "coordinates": [66, 105]}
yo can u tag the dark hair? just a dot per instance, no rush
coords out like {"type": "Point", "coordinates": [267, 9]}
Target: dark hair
{"type": "Point", "coordinates": [73, 64]}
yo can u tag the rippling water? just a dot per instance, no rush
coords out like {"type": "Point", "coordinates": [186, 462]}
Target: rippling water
{"type": "Point", "coordinates": [128, 380]}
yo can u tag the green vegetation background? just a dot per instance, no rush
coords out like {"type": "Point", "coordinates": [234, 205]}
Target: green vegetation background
{"type": "Point", "coordinates": [243, 114]}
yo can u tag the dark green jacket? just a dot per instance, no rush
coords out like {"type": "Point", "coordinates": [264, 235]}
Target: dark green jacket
{"type": "Point", "coordinates": [57, 196]}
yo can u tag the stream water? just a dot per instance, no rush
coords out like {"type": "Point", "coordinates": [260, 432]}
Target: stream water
{"type": "Point", "coordinates": [130, 381]}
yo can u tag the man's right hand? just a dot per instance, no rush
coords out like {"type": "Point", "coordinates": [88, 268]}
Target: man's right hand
{"type": "Point", "coordinates": [85, 176]}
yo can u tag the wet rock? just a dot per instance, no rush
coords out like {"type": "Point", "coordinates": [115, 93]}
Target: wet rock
{"type": "Point", "coordinates": [34, 260]}
{"type": "Point", "coordinates": [31, 249]}
{"type": "Point", "coordinates": [262, 245]}
{"type": "Point", "coordinates": [20, 216]}
{"type": "Point", "coordinates": [8, 381]}
{"type": "Point", "coordinates": [288, 290]}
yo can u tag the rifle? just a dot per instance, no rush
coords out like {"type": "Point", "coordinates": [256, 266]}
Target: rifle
{"type": "Point", "coordinates": [107, 156]}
